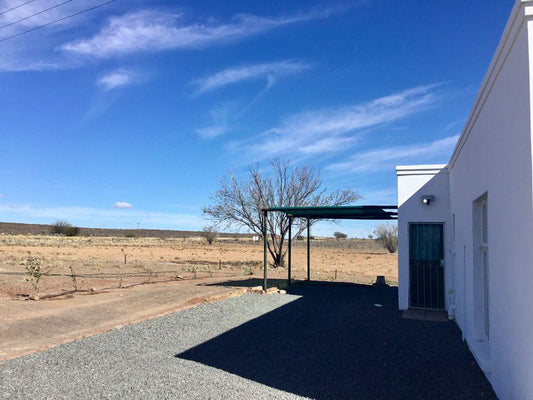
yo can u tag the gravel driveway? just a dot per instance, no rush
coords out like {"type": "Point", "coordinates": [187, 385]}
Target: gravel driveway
{"type": "Point", "coordinates": [319, 341]}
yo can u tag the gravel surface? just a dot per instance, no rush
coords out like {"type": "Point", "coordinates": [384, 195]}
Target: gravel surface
{"type": "Point", "coordinates": [320, 341]}
{"type": "Point", "coordinates": [138, 361]}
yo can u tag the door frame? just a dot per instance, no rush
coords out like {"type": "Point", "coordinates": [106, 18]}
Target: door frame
{"type": "Point", "coordinates": [443, 241]}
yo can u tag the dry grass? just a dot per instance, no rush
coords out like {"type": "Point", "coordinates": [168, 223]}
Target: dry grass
{"type": "Point", "coordinates": [99, 262]}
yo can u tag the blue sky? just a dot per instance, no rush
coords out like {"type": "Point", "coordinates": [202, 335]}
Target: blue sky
{"type": "Point", "coordinates": [133, 112]}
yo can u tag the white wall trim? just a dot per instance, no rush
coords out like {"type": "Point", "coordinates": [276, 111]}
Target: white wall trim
{"type": "Point", "coordinates": [429, 169]}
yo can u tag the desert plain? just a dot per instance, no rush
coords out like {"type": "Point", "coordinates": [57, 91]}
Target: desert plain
{"type": "Point", "coordinates": [80, 264]}
{"type": "Point", "coordinates": [92, 284]}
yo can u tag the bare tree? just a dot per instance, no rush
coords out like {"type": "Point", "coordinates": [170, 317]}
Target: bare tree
{"type": "Point", "coordinates": [210, 233]}
{"type": "Point", "coordinates": [239, 202]}
{"type": "Point", "coordinates": [387, 235]}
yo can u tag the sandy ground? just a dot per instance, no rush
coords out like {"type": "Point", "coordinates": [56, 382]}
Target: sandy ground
{"type": "Point", "coordinates": [93, 284]}
{"type": "Point", "coordinates": [104, 263]}
{"type": "Point", "coordinates": [29, 326]}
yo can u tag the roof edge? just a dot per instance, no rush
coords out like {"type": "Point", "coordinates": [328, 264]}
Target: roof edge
{"type": "Point", "coordinates": [522, 11]}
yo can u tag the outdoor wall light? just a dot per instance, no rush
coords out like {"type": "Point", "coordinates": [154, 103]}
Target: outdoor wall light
{"type": "Point", "coordinates": [427, 199]}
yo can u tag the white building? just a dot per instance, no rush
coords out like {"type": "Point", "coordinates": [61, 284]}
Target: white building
{"type": "Point", "coordinates": [466, 228]}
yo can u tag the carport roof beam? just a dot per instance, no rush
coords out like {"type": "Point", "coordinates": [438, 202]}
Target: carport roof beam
{"type": "Point", "coordinates": [340, 212]}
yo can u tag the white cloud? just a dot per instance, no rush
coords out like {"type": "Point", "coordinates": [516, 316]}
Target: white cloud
{"type": "Point", "coordinates": [118, 78]}
{"type": "Point", "coordinates": [151, 30]}
{"type": "Point", "coordinates": [319, 131]}
{"type": "Point", "coordinates": [122, 204]}
{"type": "Point", "coordinates": [104, 218]}
{"type": "Point", "coordinates": [142, 31]}
{"type": "Point", "coordinates": [13, 63]}
{"type": "Point", "coordinates": [327, 145]}
{"type": "Point", "coordinates": [212, 131]}
{"type": "Point", "coordinates": [385, 158]}
{"type": "Point", "coordinates": [269, 71]}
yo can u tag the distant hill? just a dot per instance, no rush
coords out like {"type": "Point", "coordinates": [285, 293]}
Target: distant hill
{"type": "Point", "coordinates": [11, 228]}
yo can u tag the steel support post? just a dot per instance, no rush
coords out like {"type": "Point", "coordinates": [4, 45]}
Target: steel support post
{"type": "Point", "coordinates": [265, 283]}
{"type": "Point", "coordinates": [290, 248]}
{"type": "Point", "coordinates": [308, 251]}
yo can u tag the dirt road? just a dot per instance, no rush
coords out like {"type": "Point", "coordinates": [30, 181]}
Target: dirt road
{"type": "Point", "coordinates": [29, 326]}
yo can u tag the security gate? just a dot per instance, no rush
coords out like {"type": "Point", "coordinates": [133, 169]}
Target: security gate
{"type": "Point", "coordinates": [426, 266]}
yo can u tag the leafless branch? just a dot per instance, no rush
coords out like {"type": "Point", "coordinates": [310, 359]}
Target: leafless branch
{"type": "Point", "coordinates": [239, 202]}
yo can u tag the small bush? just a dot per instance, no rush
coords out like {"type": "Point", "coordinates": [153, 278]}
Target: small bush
{"type": "Point", "coordinates": [71, 231]}
{"type": "Point", "coordinates": [340, 235]}
{"type": "Point", "coordinates": [73, 278]}
{"type": "Point", "coordinates": [62, 227]}
{"type": "Point", "coordinates": [299, 237]}
{"type": "Point", "coordinates": [34, 271]}
{"type": "Point", "coordinates": [210, 234]}
{"type": "Point", "coordinates": [59, 225]}
{"type": "Point", "coordinates": [387, 235]}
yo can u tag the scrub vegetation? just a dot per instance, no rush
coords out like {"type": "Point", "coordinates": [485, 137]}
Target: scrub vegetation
{"type": "Point", "coordinates": [52, 264]}
{"type": "Point", "coordinates": [210, 234]}
{"type": "Point", "coordinates": [62, 227]}
{"type": "Point", "coordinates": [387, 235]}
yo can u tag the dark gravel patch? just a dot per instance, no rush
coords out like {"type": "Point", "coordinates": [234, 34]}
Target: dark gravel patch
{"type": "Point", "coordinates": [334, 343]}
{"type": "Point", "coordinates": [319, 341]}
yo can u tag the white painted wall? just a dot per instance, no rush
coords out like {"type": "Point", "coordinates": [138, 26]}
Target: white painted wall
{"type": "Point", "coordinates": [493, 156]}
{"type": "Point", "coordinates": [413, 182]}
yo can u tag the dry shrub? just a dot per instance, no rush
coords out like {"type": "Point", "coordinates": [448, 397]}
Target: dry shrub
{"type": "Point", "coordinates": [62, 227]}
{"type": "Point", "coordinates": [387, 235]}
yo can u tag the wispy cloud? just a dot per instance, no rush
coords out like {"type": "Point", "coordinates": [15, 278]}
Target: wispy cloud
{"type": "Point", "coordinates": [327, 145]}
{"type": "Point", "coordinates": [42, 12]}
{"type": "Point", "coordinates": [25, 53]}
{"type": "Point", "coordinates": [118, 78]}
{"type": "Point", "coordinates": [211, 132]}
{"type": "Point", "coordinates": [151, 30]}
{"type": "Point", "coordinates": [330, 130]}
{"type": "Point", "coordinates": [220, 115]}
{"type": "Point", "coordinates": [225, 113]}
{"type": "Point", "coordinates": [269, 71]}
{"type": "Point", "coordinates": [122, 204]}
{"type": "Point", "coordinates": [379, 159]}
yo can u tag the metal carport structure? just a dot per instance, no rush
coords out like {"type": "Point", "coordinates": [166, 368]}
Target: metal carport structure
{"type": "Point", "coordinates": [368, 212]}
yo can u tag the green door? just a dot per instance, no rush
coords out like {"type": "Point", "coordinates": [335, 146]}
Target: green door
{"type": "Point", "coordinates": [426, 266]}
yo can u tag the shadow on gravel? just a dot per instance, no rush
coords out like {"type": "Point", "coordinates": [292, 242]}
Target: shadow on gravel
{"type": "Point", "coordinates": [334, 343]}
